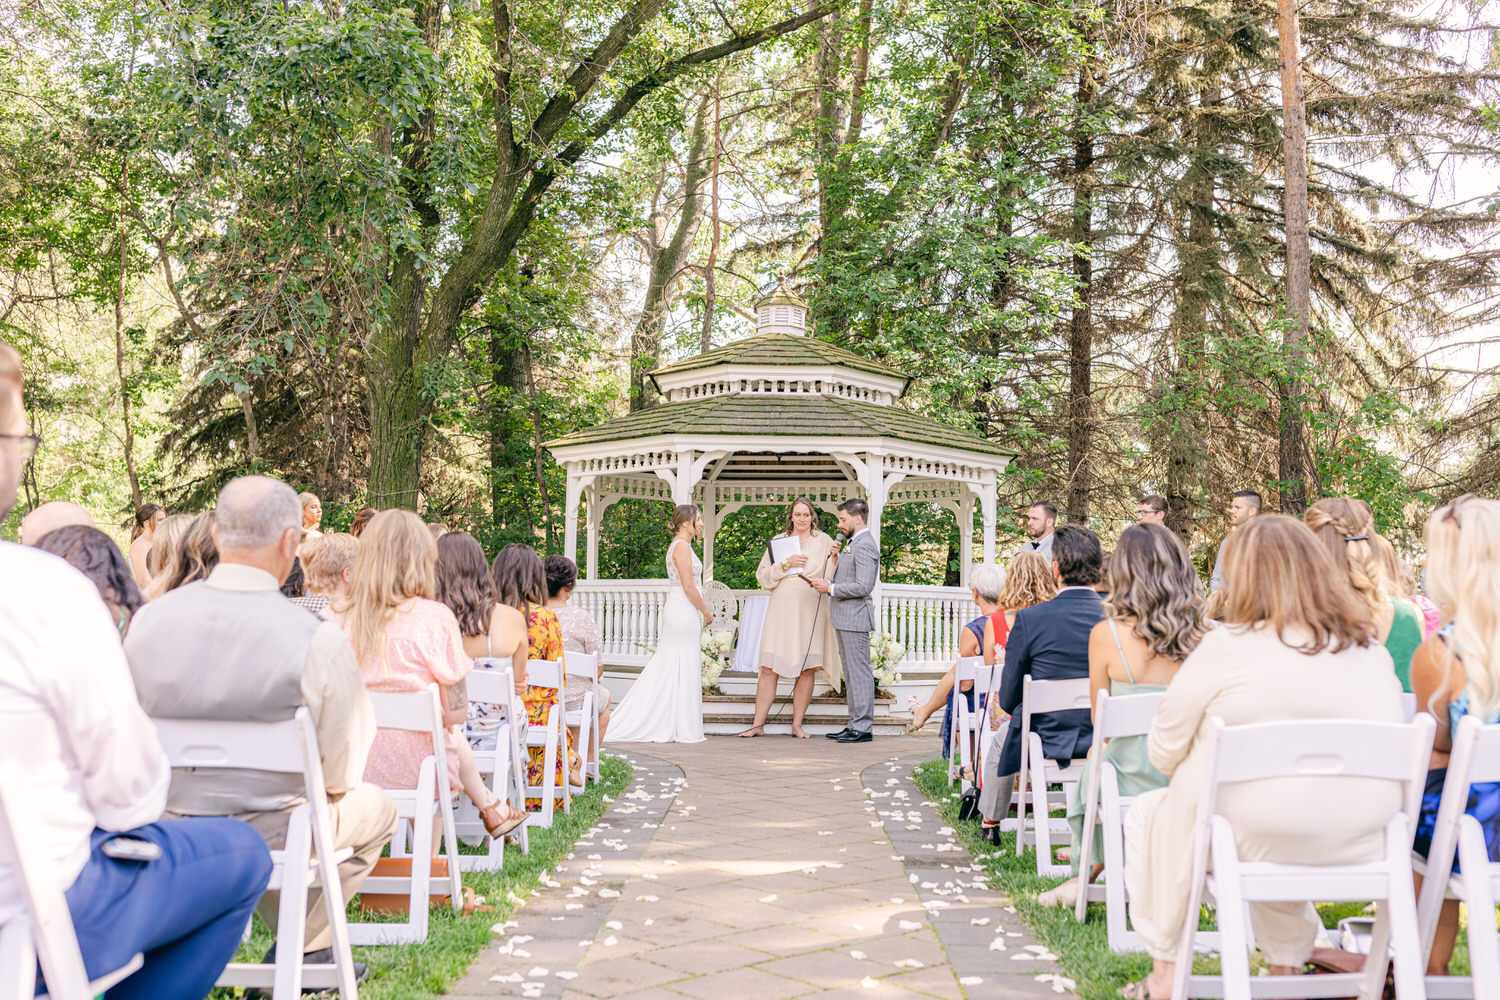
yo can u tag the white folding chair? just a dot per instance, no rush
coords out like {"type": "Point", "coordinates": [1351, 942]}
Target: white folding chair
{"type": "Point", "coordinates": [43, 930]}
{"type": "Point", "coordinates": [1475, 758]}
{"type": "Point", "coordinates": [417, 712]}
{"type": "Point", "coordinates": [491, 681]}
{"type": "Point", "coordinates": [552, 737]}
{"type": "Point", "coordinates": [966, 722]}
{"type": "Point", "coordinates": [1409, 705]}
{"type": "Point", "coordinates": [1038, 773]}
{"type": "Point", "coordinates": [585, 666]}
{"type": "Point", "coordinates": [1329, 750]}
{"type": "Point", "coordinates": [1104, 807]}
{"type": "Point", "coordinates": [307, 859]}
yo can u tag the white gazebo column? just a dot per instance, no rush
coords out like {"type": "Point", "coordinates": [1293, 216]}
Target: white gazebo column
{"type": "Point", "coordinates": [875, 491]}
{"type": "Point", "coordinates": [710, 528]}
{"type": "Point", "coordinates": [987, 512]}
{"type": "Point", "coordinates": [965, 536]}
{"type": "Point", "coordinates": [570, 516]}
{"type": "Point", "coordinates": [684, 481]}
{"type": "Point", "coordinates": [595, 518]}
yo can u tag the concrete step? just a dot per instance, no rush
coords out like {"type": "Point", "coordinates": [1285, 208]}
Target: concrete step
{"type": "Point", "coordinates": [780, 724]}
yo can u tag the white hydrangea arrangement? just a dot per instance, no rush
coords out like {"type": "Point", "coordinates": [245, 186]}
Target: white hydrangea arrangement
{"type": "Point", "coordinates": [885, 655]}
{"type": "Point", "coordinates": [716, 648]}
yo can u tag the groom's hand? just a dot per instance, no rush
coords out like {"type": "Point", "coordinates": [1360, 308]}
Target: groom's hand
{"type": "Point", "coordinates": [821, 586]}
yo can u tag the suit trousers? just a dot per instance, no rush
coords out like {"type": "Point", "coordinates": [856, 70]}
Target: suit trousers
{"type": "Point", "coordinates": [184, 912]}
{"type": "Point", "coordinates": [859, 678]}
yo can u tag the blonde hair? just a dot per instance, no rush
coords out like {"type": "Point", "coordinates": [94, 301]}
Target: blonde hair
{"type": "Point", "coordinates": [1398, 579]}
{"type": "Point", "coordinates": [326, 558]}
{"type": "Point", "coordinates": [397, 561]}
{"type": "Point", "coordinates": [192, 558]}
{"type": "Point", "coordinates": [1345, 527]}
{"type": "Point", "coordinates": [1029, 581]}
{"type": "Point", "coordinates": [1276, 573]}
{"type": "Point", "coordinates": [1463, 573]}
{"type": "Point", "coordinates": [166, 544]}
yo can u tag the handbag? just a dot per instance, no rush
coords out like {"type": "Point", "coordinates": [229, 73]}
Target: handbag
{"type": "Point", "coordinates": [968, 805]}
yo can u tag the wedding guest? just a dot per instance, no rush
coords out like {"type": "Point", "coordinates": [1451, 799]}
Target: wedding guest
{"type": "Point", "coordinates": [328, 564]}
{"type": "Point", "coordinates": [166, 546]}
{"type": "Point", "coordinates": [1041, 521]}
{"type": "Point", "coordinates": [1457, 673]}
{"type": "Point", "coordinates": [1403, 585]}
{"type": "Point", "coordinates": [580, 634]}
{"type": "Point", "coordinates": [1153, 618]}
{"type": "Point", "coordinates": [796, 640]}
{"type": "Point", "coordinates": [1347, 531]}
{"type": "Point", "coordinates": [50, 516]}
{"type": "Point", "coordinates": [295, 584]}
{"type": "Point", "coordinates": [230, 647]}
{"type": "Point", "coordinates": [1151, 509]}
{"type": "Point", "coordinates": [362, 518]}
{"type": "Point", "coordinates": [1030, 582]}
{"type": "Point", "coordinates": [147, 517]}
{"type": "Point", "coordinates": [985, 582]}
{"type": "Point", "coordinates": [1291, 647]}
{"type": "Point", "coordinates": [405, 640]}
{"type": "Point", "coordinates": [312, 517]}
{"type": "Point", "coordinates": [521, 583]}
{"type": "Point", "coordinates": [89, 765]}
{"type": "Point", "coordinates": [438, 530]}
{"type": "Point", "coordinates": [96, 556]}
{"type": "Point", "coordinates": [196, 556]}
{"type": "Point", "coordinates": [1242, 507]}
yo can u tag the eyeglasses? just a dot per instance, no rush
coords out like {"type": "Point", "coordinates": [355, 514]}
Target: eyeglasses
{"type": "Point", "coordinates": [29, 444]}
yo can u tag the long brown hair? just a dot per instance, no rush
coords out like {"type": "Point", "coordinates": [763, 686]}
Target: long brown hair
{"type": "Point", "coordinates": [463, 582]}
{"type": "Point", "coordinates": [684, 513]}
{"type": "Point", "coordinates": [810, 509]}
{"type": "Point", "coordinates": [143, 516]}
{"type": "Point", "coordinates": [193, 558]}
{"type": "Point", "coordinates": [520, 580]}
{"type": "Point", "coordinates": [397, 558]}
{"type": "Point", "coordinates": [1152, 581]}
{"type": "Point", "coordinates": [1277, 575]}
{"type": "Point", "coordinates": [1029, 581]}
{"type": "Point", "coordinates": [1346, 529]}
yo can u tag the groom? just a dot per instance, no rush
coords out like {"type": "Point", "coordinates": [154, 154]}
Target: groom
{"type": "Point", "coordinates": [851, 612]}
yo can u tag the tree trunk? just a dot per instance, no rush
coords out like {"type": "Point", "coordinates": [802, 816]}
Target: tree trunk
{"type": "Point", "coordinates": [706, 335]}
{"type": "Point", "coordinates": [507, 381]}
{"type": "Point", "coordinates": [1293, 425]}
{"type": "Point", "coordinates": [397, 411]}
{"type": "Point", "coordinates": [1081, 323]}
{"type": "Point", "coordinates": [666, 260]}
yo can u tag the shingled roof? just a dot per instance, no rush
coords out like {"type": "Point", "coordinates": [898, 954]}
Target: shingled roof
{"type": "Point", "coordinates": [781, 350]}
{"type": "Point", "coordinates": [782, 416]}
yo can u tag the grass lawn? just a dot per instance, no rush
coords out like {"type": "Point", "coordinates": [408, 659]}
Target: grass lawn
{"type": "Point", "coordinates": [416, 971]}
{"type": "Point", "coordinates": [1082, 949]}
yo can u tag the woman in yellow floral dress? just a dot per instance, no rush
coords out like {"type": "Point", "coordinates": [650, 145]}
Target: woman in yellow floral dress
{"type": "Point", "coordinates": [522, 584]}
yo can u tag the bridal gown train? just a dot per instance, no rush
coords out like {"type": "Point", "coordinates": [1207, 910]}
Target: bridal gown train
{"type": "Point", "coordinates": [665, 704]}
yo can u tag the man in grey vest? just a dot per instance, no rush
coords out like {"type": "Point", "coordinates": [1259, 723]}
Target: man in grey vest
{"type": "Point", "coordinates": [851, 612]}
{"type": "Point", "coordinates": [232, 647]}
{"type": "Point", "coordinates": [1041, 519]}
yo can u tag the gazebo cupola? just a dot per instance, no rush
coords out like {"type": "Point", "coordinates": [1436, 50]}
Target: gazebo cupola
{"type": "Point", "coordinates": [781, 310]}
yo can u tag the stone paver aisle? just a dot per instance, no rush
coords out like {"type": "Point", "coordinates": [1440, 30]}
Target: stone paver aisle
{"type": "Point", "coordinates": [767, 868]}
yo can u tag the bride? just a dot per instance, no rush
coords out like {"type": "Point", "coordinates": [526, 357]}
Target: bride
{"type": "Point", "coordinates": [665, 704]}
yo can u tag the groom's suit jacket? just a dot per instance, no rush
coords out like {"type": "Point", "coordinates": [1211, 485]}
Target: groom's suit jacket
{"type": "Point", "coordinates": [852, 608]}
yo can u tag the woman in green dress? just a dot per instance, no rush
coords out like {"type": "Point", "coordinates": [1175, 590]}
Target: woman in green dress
{"type": "Point", "coordinates": [1153, 618]}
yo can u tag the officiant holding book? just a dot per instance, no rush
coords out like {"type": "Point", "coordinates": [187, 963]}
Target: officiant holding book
{"type": "Point", "coordinates": [797, 639]}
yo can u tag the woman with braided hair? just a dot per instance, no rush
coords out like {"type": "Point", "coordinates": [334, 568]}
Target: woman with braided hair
{"type": "Point", "coordinates": [1346, 528]}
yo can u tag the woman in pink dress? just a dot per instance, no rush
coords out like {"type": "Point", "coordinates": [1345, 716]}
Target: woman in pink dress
{"type": "Point", "coordinates": [404, 641]}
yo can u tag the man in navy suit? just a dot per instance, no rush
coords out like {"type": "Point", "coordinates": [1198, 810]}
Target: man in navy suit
{"type": "Point", "coordinates": [1050, 641]}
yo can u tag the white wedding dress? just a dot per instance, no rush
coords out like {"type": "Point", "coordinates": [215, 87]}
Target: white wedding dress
{"type": "Point", "coordinates": [665, 704]}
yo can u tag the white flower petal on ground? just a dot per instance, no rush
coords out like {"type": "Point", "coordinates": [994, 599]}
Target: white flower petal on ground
{"type": "Point", "coordinates": [567, 974]}
{"type": "Point", "coordinates": [910, 925]}
{"type": "Point", "coordinates": [869, 983]}
{"type": "Point", "coordinates": [509, 977]}
{"type": "Point", "coordinates": [909, 963]}
{"type": "Point", "coordinates": [970, 981]}
{"type": "Point", "coordinates": [611, 941]}
{"type": "Point", "coordinates": [538, 972]}
{"type": "Point", "coordinates": [614, 925]}
{"type": "Point", "coordinates": [998, 944]}
{"type": "Point", "coordinates": [857, 955]}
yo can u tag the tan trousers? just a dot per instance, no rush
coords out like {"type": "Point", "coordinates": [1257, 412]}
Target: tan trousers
{"type": "Point", "coordinates": [364, 819]}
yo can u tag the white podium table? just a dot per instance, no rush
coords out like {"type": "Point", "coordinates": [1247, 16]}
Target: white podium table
{"type": "Point", "coordinates": [752, 621]}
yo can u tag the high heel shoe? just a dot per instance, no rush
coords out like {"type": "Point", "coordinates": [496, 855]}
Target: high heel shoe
{"type": "Point", "coordinates": [991, 834]}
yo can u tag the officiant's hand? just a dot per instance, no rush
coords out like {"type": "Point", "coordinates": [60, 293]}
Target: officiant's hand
{"type": "Point", "coordinates": [821, 586]}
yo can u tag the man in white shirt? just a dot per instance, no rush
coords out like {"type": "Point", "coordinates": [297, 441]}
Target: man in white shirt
{"type": "Point", "coordinates": [1242, 507]}
{"type": "Point", "coordinates": [90, 773]}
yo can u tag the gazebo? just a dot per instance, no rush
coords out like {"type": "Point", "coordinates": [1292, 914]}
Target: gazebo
{"type": "Point", "coordinates": [764, 420]}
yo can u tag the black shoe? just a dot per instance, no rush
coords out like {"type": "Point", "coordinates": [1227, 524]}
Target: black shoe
{"type": "Point", "coordinates": [323, 956]}
{"type": "Point", "coordinates": [850, 736]}
{"type": "Point", "coordinates": [990, 833]}
{"type": "Point", "coordinates": [837, 735]}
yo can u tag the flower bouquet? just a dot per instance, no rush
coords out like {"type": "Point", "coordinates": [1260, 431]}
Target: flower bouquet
{"type": "Point", "coordinates": [885, 655]}
{"type": "Point", "coordinates": [716, 647]}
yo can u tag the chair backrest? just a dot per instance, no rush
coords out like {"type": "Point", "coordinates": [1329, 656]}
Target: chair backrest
{"type": "Point", "coordinates": [581, 664]}
{"type": "Point", "coordinates": [256, 746]}
{"type": "Point", "coordinates": [1475, 757]}
{"type": "Point", "coordinates": [966, 667]}
{"type": "Point", "coordinates": [1409, 705]}
{"type": "Point", "coordinates": [544, 674]}
{"type": "Point", "coordinates": [1041, 697]}
{"type": "Point", "coordinates": [1124, 715]}
{"type": "Point", "coordinates": [414, 711]}
{"type": "Point", "coordinates": [51, 924]}
{"type": "Point", "coordinates": [723, 606]}
{"type": "Point", "coordinates": [494, 683]}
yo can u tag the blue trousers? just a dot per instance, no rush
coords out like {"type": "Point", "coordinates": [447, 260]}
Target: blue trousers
{"type": "Point", "coordinates": [184, 912]}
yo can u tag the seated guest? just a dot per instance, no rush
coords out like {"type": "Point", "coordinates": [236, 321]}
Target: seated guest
{"type": "Point", "coordinates": [1347, 530]}
{"type": "Point", "coordinates": [295, 584]}
{"type": "Point", "coordinates": [438, 530]}
{"type": "Point", "coordinates": [166, 546]}
{"type": "Point", "coordinates": [1457, 673]}
{"type": "Point", "coordinates": [580, 634]}
{"type": "Point", "coordinates": [89, 765]}
{"type": "Point", "coordinates": [196, 556]}
{"type": "Point", "coordinates": [521, 583]}
{"type": "Point", "coordinates": [1153, 618]}
{"type": "Point", "coordinates": [327, 564]}
{"type": "Point", "coordinates": [147, 517]}
{"type": "Point", "coordinates": [404, 641]}
{"type": "Point", "coordinates": [1291, 647]}
{"type": "Point", "coordinates": [231, 647]}
{"type": "Point", "coordinates": [1051, 642]}
{"type": "Point", "coordinates": [985, 582]}
{"type": "Point", "coordinates": [96, 556]}
{"type": "Point", "coordinates": [362, 519]}
{"type": "Point", "coordinates": [1404, 587]}
{"type": "Point", "coordinates": [48, 517]}
{"type": "Point", "coordinates": [1029, 582]}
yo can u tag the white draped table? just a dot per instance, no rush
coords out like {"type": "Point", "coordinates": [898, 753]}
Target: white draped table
{"type": "Point", "coordinates": [752, 620]}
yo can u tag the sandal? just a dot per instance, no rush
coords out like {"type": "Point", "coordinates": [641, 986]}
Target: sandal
{"type": "Point", "coordinates": [494, 822]}
{"type": "Point", "coordinates": [1135, 991]}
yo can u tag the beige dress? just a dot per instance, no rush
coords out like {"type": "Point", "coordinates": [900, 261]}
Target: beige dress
{"type": "Point", "coordinates": [796, 636]}
{"type": "Point", "coordinates": [1244, 676]}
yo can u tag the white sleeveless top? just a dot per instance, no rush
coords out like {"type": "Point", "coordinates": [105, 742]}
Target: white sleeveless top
{"type": "Point", "coordinates": [672, 573]}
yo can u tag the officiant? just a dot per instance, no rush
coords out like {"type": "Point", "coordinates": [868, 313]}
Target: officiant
{"type": "Point", "coordinates": [796, 640]}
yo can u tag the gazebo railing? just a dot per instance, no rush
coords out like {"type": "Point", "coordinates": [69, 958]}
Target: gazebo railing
{"type": "Point", "coordinates": [926, 620]}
